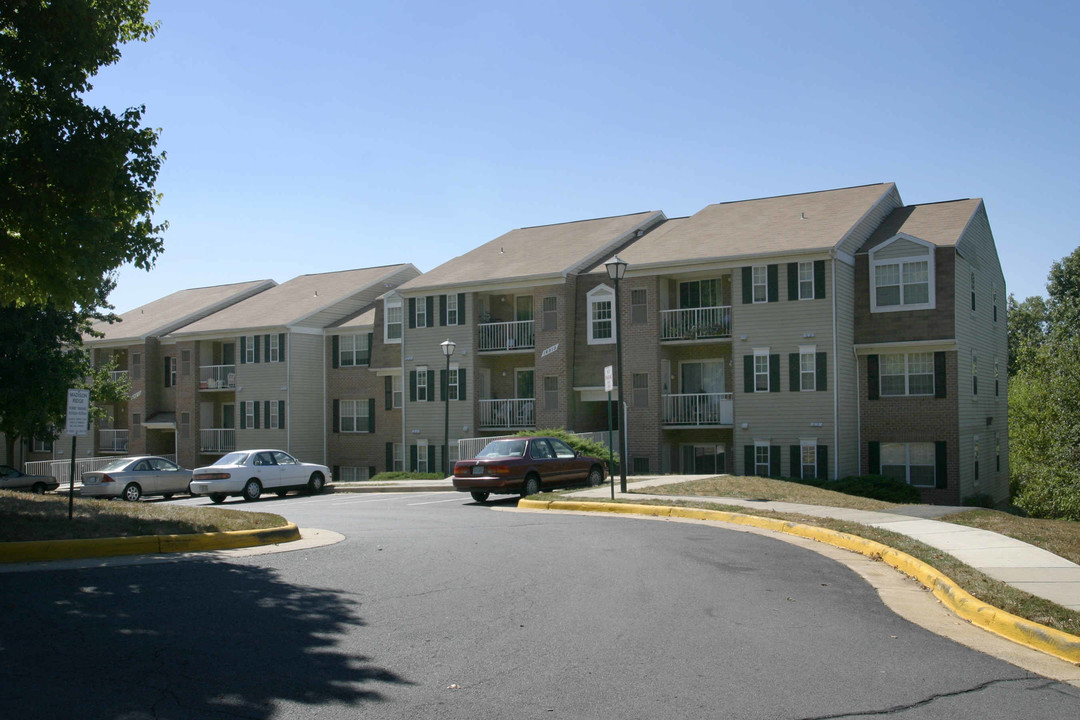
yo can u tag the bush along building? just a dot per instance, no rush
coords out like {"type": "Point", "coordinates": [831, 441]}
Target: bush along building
{"type": "Point", "coordinates": [822, 334]}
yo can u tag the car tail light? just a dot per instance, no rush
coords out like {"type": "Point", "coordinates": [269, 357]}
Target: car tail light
{"type": "Point", "coordinates": [498, 469]}
{"type": "Point", "coordinates": [213, 476]}
{"type": "Point", "coordinates": [107, 478]}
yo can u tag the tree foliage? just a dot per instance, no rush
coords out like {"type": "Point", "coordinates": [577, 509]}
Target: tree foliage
{"type": "Point", "coordinates": [76, 182]}
{"type": "Point", "coordinates": [1026, 328]}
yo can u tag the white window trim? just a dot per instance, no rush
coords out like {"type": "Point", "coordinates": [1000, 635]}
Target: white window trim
{"type": "Point", "coordinates": [421, 312]}
{"type": "Point", "coordinates": [399, 458]}
{"type": "Point", "coordinates": [758, 444]}
{"type": "Point", "coordinates": [907, 462]}
{"type": "Point", "coordinates": [907, 377]}
{"type": "Point", "coordinates": [754, 284]}
{"type": "Point", "coordinates": [800, 281]}
{"type": "Point", "coordinates": [452, 382]}
{"type": "Point", "coordinates": [810, 350]}
{"type": "Point", "coordinates": [249, 349]}
{"type": "Point", "coordinates": [600, 293]}
{"type": "Point", "coordinates": [423, 460]}
{"type": "Point", "coordinates": [974, 375]}
{"type": "Point", "coordinates": [808, 443]}
{"type": "Point", "coordinates": [762, 352]}
{"type": "Point", "coordinates": [249, 414]}
{"type": "Point", "coordinates": [397, 391]}
{"type": "Point", "coordinates": [930, 275]}
{"type": "Point", "coordinates": [275, 348]}
{"type": "Point", "coordinates": [396, 305]}
{"type": "Point", "coordinates": [359, 416]}
{"type": "Point", "coordinates": [421, 373]}
{"type": "Point", "coordinates": [451, 307]}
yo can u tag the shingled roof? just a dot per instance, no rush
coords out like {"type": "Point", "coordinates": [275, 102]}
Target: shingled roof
{"type": "Point", "coordinates": [939, 223]}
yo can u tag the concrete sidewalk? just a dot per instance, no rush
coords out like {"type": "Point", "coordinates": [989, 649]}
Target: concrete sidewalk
{"type": "Point", "coordinates": [1013, 562]}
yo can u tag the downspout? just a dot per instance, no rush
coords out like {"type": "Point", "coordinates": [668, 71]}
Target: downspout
{"type": "Point", "coordinates": [836, 375]}
{"type": "Point", "coordinates": [288, 393]}
{"type": "Point", "coordinates": [858, 416]}
{"type": "Point", "coordinates": [404, 394]}
{"type": "Point", "coordinates": [325, 439]}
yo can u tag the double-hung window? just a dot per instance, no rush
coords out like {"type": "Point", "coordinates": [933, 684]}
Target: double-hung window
{"type": "Point", "coordinates": [398, 395]}
{"type": "Point", "coordinates": [761, 283]}
{"type": "Point", "coordinates": [249, 349]}
{"type": "Point", "coordinates": [354, 350]}
{"type": "Point", "coordinates": [275, 348]}
{"type": "Point", "coordinates": [392, 322]}
{"type": "Point", "coordinates": [761, 371]}
{"type": "Point", "coordinates": [451, 309]}
{"type": "Point", "coordinates": [806, 280]}
{"type": "Point", "coordinates": [601, 319]}
{"type": "Point", "coordinates": [421, 384]}
{"type": "Point", "coordinates": [913, 463]}
{"type": "Point", "coordinates": [907, 374]}
{"type": "Point", "coordinates": [902, 275]}
{"type": "Point", "coordinates": [452, 382]}
{"type": "Point", "coordinates": [807, 367]}
{"type": "Point", "coordinates": [421, 312]}
{"type": "Point", "coordinates": [421, 456]}
{"type": "Point", "coordinates": [354, 416]}
{"type": "Point", "coordinates": [249, 413]}
{"type": "Point", "coordinates": [399, 457]}
{"type": "Point", "coordinates": [808, 459]}
{"type": "Point", "coordinates": [275, 420]}
{"type": "Point", "coordinates": [761, 459]}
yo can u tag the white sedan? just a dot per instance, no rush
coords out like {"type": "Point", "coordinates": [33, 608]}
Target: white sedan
{"type": "Point", "coordinates": [248, 472]}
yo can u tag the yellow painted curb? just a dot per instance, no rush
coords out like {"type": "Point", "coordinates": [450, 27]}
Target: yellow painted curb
{"type": "Point", "coordinates": [1039, 637]}
{"type": "Point", "coordinates": [38, 550]}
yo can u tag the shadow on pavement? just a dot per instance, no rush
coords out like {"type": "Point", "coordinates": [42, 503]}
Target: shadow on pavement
{"type": "Point", "coordinates": [180, 640]}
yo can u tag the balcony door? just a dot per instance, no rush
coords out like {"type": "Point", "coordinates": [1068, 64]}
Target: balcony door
{"type": "Point", "coordinates": [700, 294]}
{"type": "Point", "coordinates": [523, 308]}
{"type": "Point", "coordinates": [228, 415]}
{"type": "Point", "coordinates": [228, 354]}
{"type": "Point", "coordinates": [524, 384]}
{"type": "Point", "coordinates": [706, 376]}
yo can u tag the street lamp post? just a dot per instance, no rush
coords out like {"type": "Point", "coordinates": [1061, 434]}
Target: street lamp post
{"type": "Point", "coordinates": [616, 270]}
{"type": "Point", "coordinates": [448, 350]}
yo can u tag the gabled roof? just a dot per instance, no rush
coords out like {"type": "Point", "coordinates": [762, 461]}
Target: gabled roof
{"type": "Point", "coordinates": [172, 312]}
{"type": "Point", "coordinates": [363, 319]}
{"type": "Point", "coordinates": [544, 251]}
{"type": "Point", "coordinates": [291, 302]}
{"type": "Point", "coordinates": [940, 223]}
{"type": "Point", "coordinates": [806, 222]}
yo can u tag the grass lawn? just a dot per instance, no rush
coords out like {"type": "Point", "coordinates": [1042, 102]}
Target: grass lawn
{"type": "Point", "coordinates": [45, 517]}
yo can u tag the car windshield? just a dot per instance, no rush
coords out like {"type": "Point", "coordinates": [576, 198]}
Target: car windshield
{"type": "Point", "coordinates": [503, 448]}
{"type": "Point", "coordinates": [117, 464]}
{"type": "Point", "coordinates": [234, 458]}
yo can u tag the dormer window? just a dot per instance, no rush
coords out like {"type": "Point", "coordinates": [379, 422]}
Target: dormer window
{"type": "Point", "coordinates": [901, 275]}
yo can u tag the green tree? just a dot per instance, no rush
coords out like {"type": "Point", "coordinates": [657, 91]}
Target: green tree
{"type": "Point", "coordinates": [76, 182]}
{"type": "Point", "coordinates": [1063, 290]}
{"type": "Point", "coordinates": [1027, 327]}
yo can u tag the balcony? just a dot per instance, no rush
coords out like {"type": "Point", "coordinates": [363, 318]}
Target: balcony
{"type": "Point", "coordinates": [217, 377]}
{"type": "Point", "coordinates": [518, 335]}
{"type": "Point", "coordinates": [696, 323]}
{"type": "Point", "coordinates": [213, 440]}
{"type": "Point", "coordinates": [698, 410]}
{"type": "Point", "coordinates": [511, 413]}
{"type": "Point", "coordinates": [112, 441]}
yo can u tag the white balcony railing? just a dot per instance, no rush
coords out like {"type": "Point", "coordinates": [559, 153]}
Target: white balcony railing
{"type": "Point", "coordinates": [112, 441]}
{"type": "Point", "coordinates": [217, 377]}
{"type": "Point", "coordinates": [698, 409]}
{"type": "Point", "coordinates": [695, 323]}
{"type": "Point", "coordinates": [508, 413]}
{"type": "Point", "coordinates": [217, 439]}
{"type": "Point", "coordinates": [115, 375]}
{"type": "Point", "coordinates": [517, 335]}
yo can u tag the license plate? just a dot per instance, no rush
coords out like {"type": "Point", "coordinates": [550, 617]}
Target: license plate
{"type": "Point", "coordinates": [477, 469]}
{"type": "Point", "coordinates": [90, 481]}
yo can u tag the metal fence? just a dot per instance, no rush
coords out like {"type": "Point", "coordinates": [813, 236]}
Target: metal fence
{"type": "Point", "coordinates": [61, 469]}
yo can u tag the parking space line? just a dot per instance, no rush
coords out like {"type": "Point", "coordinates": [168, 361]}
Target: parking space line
{"type": "Point", "coordinates": [433, 502]}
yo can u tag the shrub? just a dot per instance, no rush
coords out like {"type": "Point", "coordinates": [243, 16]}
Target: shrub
{"type": "Point", "coordinates": [587, 447]}
{"type": "Point", "coordinates": [406, 476]}
{"type": "Point", "coordinates": [875, 487]}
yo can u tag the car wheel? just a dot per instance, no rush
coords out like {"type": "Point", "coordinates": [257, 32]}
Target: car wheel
{"type": "Point", "coordinates": [132, 492]}
{"type": "Point", "coordinates": [532, 486]}
{"type": "Point", "coordinates": [479, 496]}
{"type": "Point", "coordinates": [252, 490]}
{"type": "Point", "coordinates": [281, 493]}
{"type": "Point", "coordinates": [217, 498]}
{"type": "Point", "coordinates": [596, 476]}
{"type": "Point", "coordinates": [38, 489]}
{"type": "Point", "coordinates": [316, 484]}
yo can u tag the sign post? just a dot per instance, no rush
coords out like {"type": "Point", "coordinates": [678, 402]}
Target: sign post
{"type": "Point", "coordinates": [78, 421]}
{"type": "Point", "coordinates": [609, 385]}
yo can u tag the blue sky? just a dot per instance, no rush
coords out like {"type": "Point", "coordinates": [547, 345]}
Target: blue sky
{"type": "Point", "coordinates": [320, 136]}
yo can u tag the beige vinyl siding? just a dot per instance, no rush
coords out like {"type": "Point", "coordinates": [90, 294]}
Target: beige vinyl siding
{"type": "Point", "coordinates": [260, 382]}
{"type": "Point", "coordinates": [304, 423]}
{"type": "Point", "coordinates": [783, 417]}
{"type": "Point", "coordinates": [846, 377]}
{"type": "Point", "coordinates": [901, 249]}
{"type": "Point", "coordinates": [986, 414]}
{"type": "Point", "coordinates": [867, 225]}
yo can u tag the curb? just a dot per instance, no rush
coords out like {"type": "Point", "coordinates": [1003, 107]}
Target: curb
{"type": "Point", "coordinates": [1025, 632]}
{"type": "Point", "coordinates": [386, 488]}
{"type": "Point", "coordinates": [38, 550]}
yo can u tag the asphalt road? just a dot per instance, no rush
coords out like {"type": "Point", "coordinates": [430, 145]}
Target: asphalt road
{"type": "Point", "coordinates": [434, 607]}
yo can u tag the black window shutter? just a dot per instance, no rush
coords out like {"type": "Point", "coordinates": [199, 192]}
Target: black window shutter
{"type": "Point", "coordinates": [388, 390]}
{"type": "Point", "coordinates": [461, 384]}
{"type": "Point", "coordinates": [371, 471]}
{"type": "Point", "coordinates": [873, 453]}
{"type": "Point", "coordinates": [773, 273]}
{"type": "Point", "coordinates": [747, 285]}
{"type": "Point", "coordinates": [335, 351]}
{"type": "Point", "coordinates": [431, 385]}
{"type": "Point", "coordinates": [941, 470]}
{"type": "Point", "coordinates": [430, 300]}
{"type": "Point", "coordinates": [243, 349]}
{"type": "Point", "coordinates": [166, 371]}
{"type": "Point", "coordinates": [873, 391]}
{"type": "Point", "coordinates": [442, 310]}
{"type": "Point", "coordinates": [442, 386]}
{"type": "Point", "coordinates": [796, 461]}
{"type": "Point", "coordinates": [256, 353]}
{"type": "Point", "coordinates": [748, 373]}
{"type": "Point", "coordinates": [281, 414]}
{"type": "Point", "coordinates": [336, 469]}
{"type": "Point", "coordinates": [266, 348]}
{"type": "Point", "coordinates": [389, 457]}
{"type": "Point", "coordinates": [266, 413]}
{"type": "Point", "coordinates": [243, 416]}
{"type": "Point", "coordinates": [774, 372]}
{"type": "Point", "coordinates": [255, 412]}
{"type": "Point", "coordinates": [412, 313]}
{"type": "Point", "coordinates": [337, 416]}
{"type": "Point", "coordinates": [371, 415]}
{"type": "Point", "coordinates": [941, 388]}
{"type": "Point", "coordinates": [774, 461]}
{"type": "Point", "coordinates": [461, 308]}
{"type": "Point", "coordinates": [370, 346]}
{"type": "Point", "coordinates": [281, 347]}
{"type": "Point", "coordinates": [793, 281]}
{"type": "Point", "coordinates": [793, 372]}
{"type": "Point", "coordinates": [748, 460]}
{"type": "Point", "coordinates": [823, 462]}
{"type": "Point", "coordinates": [412, 386]}
{"type": "Point", "coordinates": [819, 279]}
{"type": "Point", "coordinates": [412, 458]}
{"type": "Point", "coordinates": [822, 371]}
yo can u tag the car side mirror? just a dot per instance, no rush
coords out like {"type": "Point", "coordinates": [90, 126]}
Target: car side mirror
{"type": "Point", "coordinates": [577, 454]}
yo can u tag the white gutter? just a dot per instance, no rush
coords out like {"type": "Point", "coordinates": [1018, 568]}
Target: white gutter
{"type": "Point", "coordinates": [326, 440]}
{"type": "Point", "coordinates": [288, 390]}
{"type": "Point", "coordinates": [858, 415]}
{"type": "Point", "coordinates": [836, 375]}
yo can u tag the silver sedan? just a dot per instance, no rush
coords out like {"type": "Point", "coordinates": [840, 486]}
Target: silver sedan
{"type": "Point", "coordinates": [132, 477]}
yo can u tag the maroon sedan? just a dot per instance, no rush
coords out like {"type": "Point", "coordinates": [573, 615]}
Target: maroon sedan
{"type": "Point", "coordinates": [525, 466]}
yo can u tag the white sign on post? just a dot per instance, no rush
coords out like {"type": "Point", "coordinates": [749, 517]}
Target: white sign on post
{"type": "Point", "coordinates": [78, 412]}
{"type": "Point", "coordinates": [609, 379]}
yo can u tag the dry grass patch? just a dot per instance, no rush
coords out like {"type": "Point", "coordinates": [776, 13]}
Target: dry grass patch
{"type": "Point", "coordinates": [759, 488]}
{"type": "Point", "coordinates": [1061, 537]}
{"type": "Point", "coordinates": [45, 517]}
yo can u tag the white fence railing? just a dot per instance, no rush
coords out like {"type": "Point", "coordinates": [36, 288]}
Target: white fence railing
{"type": "Point", "coordinates": [698, 409]}
{"type": "Point", "coordinates": [508, 413]}
{"type": "Point", "coordinates": [695, 323]}
{"type": "Point", "coordinates": [61, 469]}
{"type": "Point", "coordinates": [112, 441]}
{"type": "Point", "coordinates": [217, 377]}
{"type": "Point", "coordinates": [217, 439]}
{"type": "Point", "coordinates": [517, 335]}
